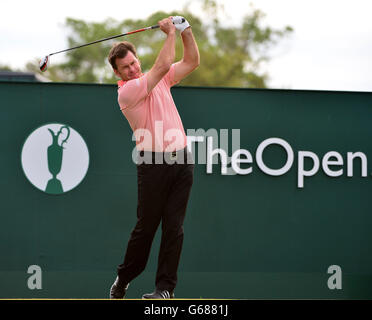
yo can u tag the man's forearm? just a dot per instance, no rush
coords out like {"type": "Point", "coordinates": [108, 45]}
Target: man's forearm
{"type": "Point", "coordinates": [190, 52]}
{"type": "Point", "coordinates": [167, 53]}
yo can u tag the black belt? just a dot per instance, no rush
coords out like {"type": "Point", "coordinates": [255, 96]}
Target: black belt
{"type": "Point", "coordinates": [179, 156]}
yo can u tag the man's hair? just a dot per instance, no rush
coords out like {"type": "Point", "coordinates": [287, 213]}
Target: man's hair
{"type": "Point", "coordinates": [120, 50]}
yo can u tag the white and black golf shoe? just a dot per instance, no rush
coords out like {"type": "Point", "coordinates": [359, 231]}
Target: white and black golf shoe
{"type": "Point", "coordinates": [159, 294]}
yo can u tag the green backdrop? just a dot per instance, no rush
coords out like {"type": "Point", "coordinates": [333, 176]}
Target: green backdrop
{"type": "Point", "coordinates": [246, 236]}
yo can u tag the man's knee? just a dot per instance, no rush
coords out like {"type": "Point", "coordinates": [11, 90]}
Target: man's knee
{"type": "Point", "coordinates": [174, 231]}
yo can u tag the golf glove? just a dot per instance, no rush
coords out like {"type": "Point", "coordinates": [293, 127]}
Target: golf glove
{"type": "Point", "coordinates": [181, 26]}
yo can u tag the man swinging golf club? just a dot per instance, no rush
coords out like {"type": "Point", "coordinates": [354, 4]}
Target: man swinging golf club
{"type": "Point", "coordinates": [163, 186]}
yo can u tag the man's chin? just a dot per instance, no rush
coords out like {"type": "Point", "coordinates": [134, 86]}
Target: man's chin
{"type": "Point", "coordinates": [134, 77]}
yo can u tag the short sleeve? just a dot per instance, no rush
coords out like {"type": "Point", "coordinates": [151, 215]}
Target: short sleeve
{"type": "Point", "coordinates": [132, 92]}
{"type": "Point", "coordinates": [169, 77]}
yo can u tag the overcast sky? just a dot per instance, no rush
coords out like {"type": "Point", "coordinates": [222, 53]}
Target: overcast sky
{"type": "Point", "coordinates": [330, 48]}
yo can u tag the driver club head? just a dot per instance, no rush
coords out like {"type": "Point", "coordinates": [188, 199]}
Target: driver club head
{"type": "Point", "coordinates": [43, 64]}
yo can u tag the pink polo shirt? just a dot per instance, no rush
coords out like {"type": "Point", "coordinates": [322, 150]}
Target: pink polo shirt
{"type": "Point", "coordinates": [152, 116]}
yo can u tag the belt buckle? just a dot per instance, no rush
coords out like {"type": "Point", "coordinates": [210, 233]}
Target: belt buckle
{"type": "Point", "coordinates": [173, 155]}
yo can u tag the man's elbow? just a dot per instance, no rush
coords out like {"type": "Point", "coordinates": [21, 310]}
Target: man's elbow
{"type": "Point", "coordinates": [195, 64]}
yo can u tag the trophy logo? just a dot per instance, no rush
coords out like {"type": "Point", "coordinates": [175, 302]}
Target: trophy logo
{"type": "Point", "coordinates": [55, 158]}
{"type": "Point", "coordinates": [55, 155]}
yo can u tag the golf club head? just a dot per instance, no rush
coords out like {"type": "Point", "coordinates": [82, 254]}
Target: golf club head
{"type": "Point", "coordinates": [43, 64]}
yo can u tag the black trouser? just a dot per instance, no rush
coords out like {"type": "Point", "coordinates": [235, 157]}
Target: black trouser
{"type": "Point", "coordinates": [163, 193]}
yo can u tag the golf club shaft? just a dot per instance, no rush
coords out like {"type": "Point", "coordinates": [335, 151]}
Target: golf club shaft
{"type": "Point", "coordinates": [105, 39]}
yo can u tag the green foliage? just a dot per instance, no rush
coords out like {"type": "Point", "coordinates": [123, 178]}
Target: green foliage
{"type": "Point", "coordinates": [229, 56]}
{"type": "Point", "coordinates": [4, 67]}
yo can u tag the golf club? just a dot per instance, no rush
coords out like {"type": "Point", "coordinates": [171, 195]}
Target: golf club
{"type": "Point", "coordinates": [43, 64]}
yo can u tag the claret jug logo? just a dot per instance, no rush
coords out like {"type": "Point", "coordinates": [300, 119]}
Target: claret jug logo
{"type": "Point", "coordinates": [55, 158]}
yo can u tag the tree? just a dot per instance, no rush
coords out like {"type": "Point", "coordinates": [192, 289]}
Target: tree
{"type": "Point", "coordinates": [230, 56]}
{"type": "Point", "coordinates": [4, 67]}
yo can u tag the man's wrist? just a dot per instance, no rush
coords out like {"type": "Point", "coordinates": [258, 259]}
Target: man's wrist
{"type": "Point", "coordinates": [186, 31]}
{"type": "Point", "coordinates": [171, 33]}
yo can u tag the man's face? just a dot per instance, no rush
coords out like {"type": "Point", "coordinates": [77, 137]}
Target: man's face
{"type": "Point", "coordinates": [128, 68]}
